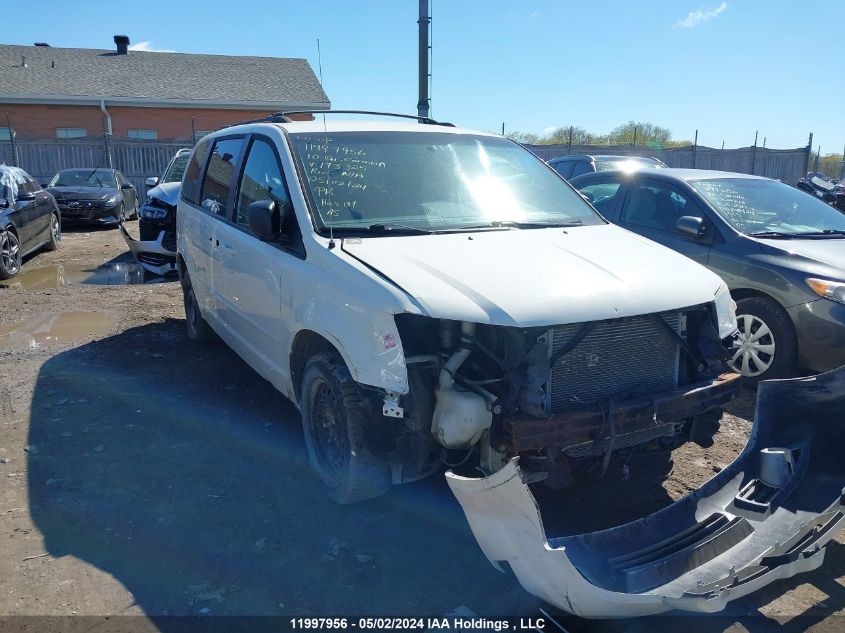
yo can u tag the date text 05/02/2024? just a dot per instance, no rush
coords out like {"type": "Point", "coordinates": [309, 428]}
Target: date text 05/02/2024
{"type": "Point", "coordinates": [444, 623]}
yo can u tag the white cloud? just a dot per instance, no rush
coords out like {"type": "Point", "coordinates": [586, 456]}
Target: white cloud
{"type": "Point", "coordinates": [700, 16]}
{"type": "Point", "coordinates": [534, 14]}
{"type": "Point", "coordinates": [550, 129]}
{"type": "Point", "coordinates": [148, 47]}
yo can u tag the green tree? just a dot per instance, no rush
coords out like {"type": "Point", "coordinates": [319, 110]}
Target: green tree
{"type": "Point", "coordinates": [644, 133]}
{"type": "Point", "coordinates": [829, 164]}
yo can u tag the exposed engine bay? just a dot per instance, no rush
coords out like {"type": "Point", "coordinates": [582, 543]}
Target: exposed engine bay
{"type": "Point", "coordinates": [564, 396]}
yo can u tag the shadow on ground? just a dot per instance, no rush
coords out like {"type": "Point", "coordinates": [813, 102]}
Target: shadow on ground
{"type": "Point", "coordinates": [175, 468]}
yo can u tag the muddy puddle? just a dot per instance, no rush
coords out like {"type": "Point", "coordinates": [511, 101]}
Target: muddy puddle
{"type": "Point", "coordinates": [53, 329]}
{"type": "Point", "coordinates": [60, 275]}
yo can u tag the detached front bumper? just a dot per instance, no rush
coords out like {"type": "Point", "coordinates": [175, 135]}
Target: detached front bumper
{"type": "Point", "coordinates": [585, 430]}
{"type": "Point", "coordinates": [765, 517]}
{"type": "Point", "coordinates": [153, 255]}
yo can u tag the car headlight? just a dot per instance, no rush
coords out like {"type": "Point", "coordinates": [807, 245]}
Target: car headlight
{"type": "Point", "coordinates": [112, 201]}
{"type": "Point", "coordinates": [153, 213]}
{"type": "Point", "coordinates": [725, 312]}
{"type": "Point", "coordinates": [833, 290]}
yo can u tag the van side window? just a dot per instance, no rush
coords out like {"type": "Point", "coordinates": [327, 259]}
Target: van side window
{"type": "Point", "coordinates": [191, 184]}
{"type": "Point", "coordinates": [217, 182]}
{"type": "Point", "coordinates": [262, 180]}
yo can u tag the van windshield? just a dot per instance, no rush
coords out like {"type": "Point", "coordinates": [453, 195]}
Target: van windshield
{"type": "Point", "coordinates": [431, 181]}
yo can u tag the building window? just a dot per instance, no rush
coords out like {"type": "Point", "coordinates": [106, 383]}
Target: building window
{"type": "Point", "coordinates": [70, 132]}
{"type": "Point", "coordinates": [5, 134]}
{"type": "Point", "coordinates": [144, 134]}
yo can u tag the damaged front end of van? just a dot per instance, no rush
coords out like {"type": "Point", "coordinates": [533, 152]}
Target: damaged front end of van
{"type": "Point", "coordinates": [765, 517]}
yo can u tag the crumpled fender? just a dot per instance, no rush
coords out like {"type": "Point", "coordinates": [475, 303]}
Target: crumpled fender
{"type": "Point", "coordinates": [729, 538]}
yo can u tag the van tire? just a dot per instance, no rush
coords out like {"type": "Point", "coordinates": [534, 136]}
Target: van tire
{"type": "Point", "coordinates": [198, 328]}
{"type": "Point", "coordinates": [335, 416]}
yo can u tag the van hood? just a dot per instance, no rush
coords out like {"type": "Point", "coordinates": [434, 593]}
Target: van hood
{"type": "Point", "coordinates": [537, 277]}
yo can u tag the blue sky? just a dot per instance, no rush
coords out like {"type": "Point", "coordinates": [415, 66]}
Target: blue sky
{"type": "Point", "coordinates": [727, 68]}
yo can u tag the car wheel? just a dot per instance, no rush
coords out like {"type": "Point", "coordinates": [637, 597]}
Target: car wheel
{"type": "Point", "coordinates": [767, 344]}
{"type": "Point", "coordinates": [135, 213]}
{"type": "Point", "coordinates": [198, 328]}
{"type": "Point", "coordinates": [10, 255]}
{"type": "Point", "coordinates": [121, 215]}
{"type": "Point", "coordinates": [335, 416]}
{"type": "Point", "coordinates": [55, 233]}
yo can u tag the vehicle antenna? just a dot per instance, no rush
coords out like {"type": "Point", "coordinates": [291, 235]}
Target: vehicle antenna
{"type": "Point", "coordinates": [326, 151]}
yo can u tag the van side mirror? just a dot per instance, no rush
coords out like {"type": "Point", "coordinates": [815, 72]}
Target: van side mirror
{"type": "Point", "coordinates": [151, 182]}
{"type": "Point", "coordinates": [265, 219]}
{"type": "Point", "coordinates": [691, 226]}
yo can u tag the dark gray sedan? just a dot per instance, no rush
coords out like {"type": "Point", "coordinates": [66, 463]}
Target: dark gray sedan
{"type": "Point", "coordinates": [99, 195]}
{"type": "Point", "coordinates": [780, 250]}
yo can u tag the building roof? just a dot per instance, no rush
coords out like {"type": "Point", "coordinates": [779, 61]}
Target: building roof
{"type": "Point", "coordinates": [81, 75]}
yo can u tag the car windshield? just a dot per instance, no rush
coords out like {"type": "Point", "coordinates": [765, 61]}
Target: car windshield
{"type": "Point", "coordinates": [84, 178]}
{"type": "Point", "coordinates": [431, 181]}
{"type": "Point", "coordinates": [769, 207]}
{"type": "Point", "coordinates": [176, 169]}
{"type": "Point", "coordinates": [627, 164]}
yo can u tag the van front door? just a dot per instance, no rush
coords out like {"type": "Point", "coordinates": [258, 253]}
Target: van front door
{"type": "Point", "coordinates": [251, 277]}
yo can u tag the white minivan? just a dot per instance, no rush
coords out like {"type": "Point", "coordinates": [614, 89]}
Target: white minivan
{"type": "Point", "coordinates": [430, 295]}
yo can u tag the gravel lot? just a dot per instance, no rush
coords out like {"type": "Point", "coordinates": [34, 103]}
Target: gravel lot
{"type": "Point", "coordinates": [146, 475]}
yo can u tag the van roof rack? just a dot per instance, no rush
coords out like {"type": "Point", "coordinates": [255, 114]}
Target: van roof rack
{"type": "Point", "coordinates": [284, 117]}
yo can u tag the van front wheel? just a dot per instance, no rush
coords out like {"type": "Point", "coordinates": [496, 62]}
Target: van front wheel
{"type": "Point", "coordinates": [334, 420]}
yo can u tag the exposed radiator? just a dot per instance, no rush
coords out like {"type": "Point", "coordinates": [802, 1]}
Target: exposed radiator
{"type": "Point", "coordinates": [633, 355]}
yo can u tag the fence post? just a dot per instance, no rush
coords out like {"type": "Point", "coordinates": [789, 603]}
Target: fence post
{"type": "Point", "coordinates": [754, 152]}
{"type": "Point", "coordinates": [194, 130]}
{"type": "Point", "coordinates": [809, 151]}
{"type": "Point", "coordinates": [569, 150]}
{"type": "Point", "coordinates": [106, 147]}
{"type": "Point", "coordinates": [12, 141]}
{"type": "Point", "coordinates": [694, 149]}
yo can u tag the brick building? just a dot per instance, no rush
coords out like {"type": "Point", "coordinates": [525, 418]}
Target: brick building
{"type": "Point", "coordinates": [48, 92]}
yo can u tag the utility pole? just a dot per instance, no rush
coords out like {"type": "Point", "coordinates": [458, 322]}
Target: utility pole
{"type": "Point", "coordinates": [634, 144]}
{"type": "Point", "coordinates": [503, 128]}
{"type": "Point", "coordinates": [424, 103]}
{"type": "Point", "coordinates": [818, 155]}
{"type": "Point", "coordinates": [569, 151]}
